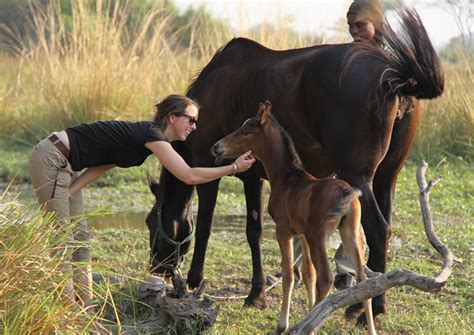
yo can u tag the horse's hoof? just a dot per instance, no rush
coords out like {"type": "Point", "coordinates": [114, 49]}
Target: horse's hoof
{"type": "Point", "coordinates": [354, 311]}
{"type": "Point", "coordinates": [193, 282]}
{"type": "Point", "coordinates": [259, 302]}
{"type": "Point", "coordinates": [362, 321]}
{"type": "Point", "coordinates": [279, 330]}
{"type": "Point", "coordinates": [378, 307]}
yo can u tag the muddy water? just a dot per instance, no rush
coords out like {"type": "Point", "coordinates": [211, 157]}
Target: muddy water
{"type": "Point", "coordinates": [132, 220]}
{"type": "Point", "coordinates": [222, 223]}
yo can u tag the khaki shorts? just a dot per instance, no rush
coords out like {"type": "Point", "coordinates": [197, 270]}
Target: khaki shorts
{"type": "Point", "coordinates": [51, 176]}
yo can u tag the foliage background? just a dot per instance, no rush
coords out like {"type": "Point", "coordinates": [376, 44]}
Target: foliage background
{"type": "Point", "coordinates": [64, 62]}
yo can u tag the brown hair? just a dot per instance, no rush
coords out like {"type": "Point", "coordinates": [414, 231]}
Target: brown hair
{"type": "Point", "coordinates": [372, 11]}
{"type": "Point", "coordinates": [172, 104]}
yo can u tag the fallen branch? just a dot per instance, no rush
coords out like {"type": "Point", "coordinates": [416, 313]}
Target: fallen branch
{"type": "Point", "coordinates": [377, 285]}
{"type": "Point", "coordinates": [176, 308]}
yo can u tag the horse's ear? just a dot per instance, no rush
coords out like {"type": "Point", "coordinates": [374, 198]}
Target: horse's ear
{"type": "Point", "coordinates": [268, 106]}
{"type": "Point", "coordinates": [261, 108]}
{"type": "Point", "coordinates": [153, 184]}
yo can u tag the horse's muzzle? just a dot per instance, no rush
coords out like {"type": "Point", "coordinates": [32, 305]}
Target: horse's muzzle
{"type": "Point", "coordinates": [217, 152]}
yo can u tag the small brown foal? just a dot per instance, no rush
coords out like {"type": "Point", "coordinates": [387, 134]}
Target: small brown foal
{"type": "Point", "coordinates": [300, 204]}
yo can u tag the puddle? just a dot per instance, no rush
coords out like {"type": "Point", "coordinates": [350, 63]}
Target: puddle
{"type": "Point", "coordinates": [222, 223]}
{"type": "Point", "coordinates": [122, 220]}
{"type": "Point", "coordinates": [133, 220]}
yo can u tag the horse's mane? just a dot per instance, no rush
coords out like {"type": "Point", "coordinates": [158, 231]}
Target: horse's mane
{"type": "Point", "coordinates": [239, 43]}
{"type": "Point", "coordinates": [288, 144]}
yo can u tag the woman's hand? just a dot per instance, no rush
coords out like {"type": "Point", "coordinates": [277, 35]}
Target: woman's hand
{"type": "Point", "coordinates": [244, 162]}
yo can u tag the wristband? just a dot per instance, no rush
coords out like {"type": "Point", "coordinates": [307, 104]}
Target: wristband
{"type": "Point", "coordinates": [234, 168]}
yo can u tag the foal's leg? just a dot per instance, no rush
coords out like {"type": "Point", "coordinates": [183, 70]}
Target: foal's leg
{"type": "Point", "coordinates": [309, 273]}
{"type": "Point", "coordinates": [285, 241]}
{"type": "Point", "coordinates": [325, 279]}
{"type": "Point", "coordinates": [354, 245]}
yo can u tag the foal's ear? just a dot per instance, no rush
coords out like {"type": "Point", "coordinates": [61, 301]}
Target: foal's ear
{"type": "Point", "coordinates": [261, 112]}
{"type": "Point", "coordinates": [265, 112]}
{"type": "Point", "coordinates": [263, 116]}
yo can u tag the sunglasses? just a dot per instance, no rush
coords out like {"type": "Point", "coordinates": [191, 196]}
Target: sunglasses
{"type": "Point", "coordinates": [191, 119]}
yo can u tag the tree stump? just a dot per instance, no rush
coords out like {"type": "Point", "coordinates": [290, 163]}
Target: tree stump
{"type": "Point", "coordinates": [176, 308]}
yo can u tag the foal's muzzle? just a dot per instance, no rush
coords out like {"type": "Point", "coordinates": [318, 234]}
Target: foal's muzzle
{"type": "Point", "coordinates": [217, 152]}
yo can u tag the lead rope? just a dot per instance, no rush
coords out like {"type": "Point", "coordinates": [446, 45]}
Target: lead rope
{"type": "Point", "coordinates": [160, 234]}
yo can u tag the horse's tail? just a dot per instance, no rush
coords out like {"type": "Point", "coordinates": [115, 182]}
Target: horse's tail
{"type": "Point", "coordinates": [347, 195]}
{"type": "Point", "coordinates": [415, 68]}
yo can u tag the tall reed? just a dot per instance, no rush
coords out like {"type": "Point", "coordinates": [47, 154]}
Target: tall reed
{"type": "Point", "coordinates": [447, 123]}
{"type": "Point", "coordinates": [30, 279]}
{"type": "Point", "coordinates": [95, 67]}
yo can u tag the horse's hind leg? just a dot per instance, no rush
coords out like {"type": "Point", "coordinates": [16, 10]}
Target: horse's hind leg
{"type": "Point", "coordinates": [385, 178]}
{"type": "Point", "coordinates": [207, 202]}
{"type": "Point", "coordinates": [354, 245]}
{"type": "Point", "coordinates": [377, 232]}
{"type": "Point", "coordinates": [254, 187]}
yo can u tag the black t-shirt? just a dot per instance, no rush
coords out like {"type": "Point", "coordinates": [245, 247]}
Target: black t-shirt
{"type": "Point", "coordinates": [111, 142]}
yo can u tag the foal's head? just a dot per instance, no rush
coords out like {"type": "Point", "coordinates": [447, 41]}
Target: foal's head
{"type": "Point", "coordinates": [252, 135]}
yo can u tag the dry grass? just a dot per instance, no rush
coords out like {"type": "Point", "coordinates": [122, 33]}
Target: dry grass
{"type": "Point", "coordinates": [31, 281]}
{"type": "Point", "coordinates": [95, 67]}
{"type": "Point", "coordinates": [447, 126]}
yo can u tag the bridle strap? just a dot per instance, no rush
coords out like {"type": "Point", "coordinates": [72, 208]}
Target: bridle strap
{"type": "Point", "coordinates": [160, 234]}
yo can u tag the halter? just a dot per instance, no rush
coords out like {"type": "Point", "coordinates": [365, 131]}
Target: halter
{"type": "Point", "coordinates": [160, 234]}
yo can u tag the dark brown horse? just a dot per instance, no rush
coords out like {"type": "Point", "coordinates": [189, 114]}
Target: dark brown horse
{"type": "Point", "coordinates": [170, 233]}
{"type": "Point", "coordinates": [339, 103]}
{"type": "Point", "coordinates": [303, 205]}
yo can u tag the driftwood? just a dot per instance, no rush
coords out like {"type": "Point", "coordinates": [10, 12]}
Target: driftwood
{"type": "Point", "coordinates": [379, 283]}
{"type": "Point", "coordinates": [175, 308]}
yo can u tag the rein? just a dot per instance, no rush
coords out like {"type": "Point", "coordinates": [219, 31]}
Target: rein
{"type": "Point", "coordinates": [160, 234]}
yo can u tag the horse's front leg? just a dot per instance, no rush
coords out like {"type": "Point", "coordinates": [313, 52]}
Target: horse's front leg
{"type": "Point", "coordinates": [254, 187]}
{"type": "Point", "coordinates": [207, 194]}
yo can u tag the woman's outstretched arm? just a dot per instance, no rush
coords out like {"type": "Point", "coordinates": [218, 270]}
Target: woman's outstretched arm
{"type": "Point", "coordinates": [174, 163]}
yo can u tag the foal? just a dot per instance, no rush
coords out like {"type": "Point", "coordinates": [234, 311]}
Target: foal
{"type": "Point", "coordinates": [300, 204]}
